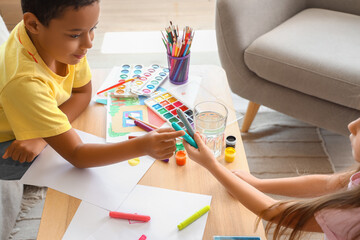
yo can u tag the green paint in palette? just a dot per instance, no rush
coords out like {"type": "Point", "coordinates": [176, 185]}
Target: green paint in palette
{"type": "Point", "coordinates": [174, 119]}
{"type": "Point", "coordinates": [162, 110]}
{"type": "Point", "coordinates": [168, 115]}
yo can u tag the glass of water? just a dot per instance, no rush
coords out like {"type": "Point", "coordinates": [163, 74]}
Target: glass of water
{"type": "Point", "coordinates": [210, 121]}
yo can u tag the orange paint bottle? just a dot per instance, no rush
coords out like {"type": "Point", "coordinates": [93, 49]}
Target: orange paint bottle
{"type": "Point", "coordinates": [180, 157]}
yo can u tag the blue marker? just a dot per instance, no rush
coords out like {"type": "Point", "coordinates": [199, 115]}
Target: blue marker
{"type": "Point", "coordinates": [187, 138]}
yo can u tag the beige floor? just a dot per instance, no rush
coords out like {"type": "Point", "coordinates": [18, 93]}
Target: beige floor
{"type": "Point", "coordinates": [136, 15]}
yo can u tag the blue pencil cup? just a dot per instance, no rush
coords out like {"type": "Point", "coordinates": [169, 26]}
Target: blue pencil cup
{"type": "Point", "coordinates": [179, 69]}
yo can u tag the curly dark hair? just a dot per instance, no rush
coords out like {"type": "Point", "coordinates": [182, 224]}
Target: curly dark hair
{"type": "Point", "coordinates": [45, 10]}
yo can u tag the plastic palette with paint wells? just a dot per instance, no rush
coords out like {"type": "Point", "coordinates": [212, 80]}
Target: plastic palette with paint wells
{"type": "Point", "coordinates": [164, 104]}
{"type": "Point", "coordinates": [127, 71]}
{"type": "Point", "coordinates": [150, 80]}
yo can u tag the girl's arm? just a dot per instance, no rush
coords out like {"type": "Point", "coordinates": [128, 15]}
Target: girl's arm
{"type": "Point", "coordinates": [301, 186]}
{"type": "Point", "coordinates": [248, 195]}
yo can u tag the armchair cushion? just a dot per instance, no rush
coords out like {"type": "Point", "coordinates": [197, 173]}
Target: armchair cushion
{"type": "Point", "coordinates": [316, 52]}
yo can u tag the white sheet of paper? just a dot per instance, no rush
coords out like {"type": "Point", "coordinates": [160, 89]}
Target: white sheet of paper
{"type": "Point", "coordinates": [105, 186]}
{"type": "Point", "coordinates": [188, 92]}
{"type": "Point", "coordinates": [167, 208]}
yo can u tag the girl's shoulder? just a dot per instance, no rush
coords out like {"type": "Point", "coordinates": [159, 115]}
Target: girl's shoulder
{"type": "Point", "coordinates": [339, 223]}
{"type": "Point", "coordinates": [354, 180]}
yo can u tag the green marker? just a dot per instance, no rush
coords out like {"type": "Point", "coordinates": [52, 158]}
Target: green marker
{"type": "Point", "coordinates": [193, 218]}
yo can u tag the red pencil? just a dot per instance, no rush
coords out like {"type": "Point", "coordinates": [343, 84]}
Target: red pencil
{"type": "Point", "coordinates": [121, 82]}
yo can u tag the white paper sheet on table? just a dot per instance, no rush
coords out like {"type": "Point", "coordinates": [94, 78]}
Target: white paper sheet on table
{"type": "Point", "coordinates": [105, 187]}
{"type": "Point", "coordinates": [188, 92]}
{"type": "Point", "coordinates": [167, 208]}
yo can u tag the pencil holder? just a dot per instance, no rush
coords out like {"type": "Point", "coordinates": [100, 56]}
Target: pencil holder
{"type": "Point", "coordinates": [179, 69]}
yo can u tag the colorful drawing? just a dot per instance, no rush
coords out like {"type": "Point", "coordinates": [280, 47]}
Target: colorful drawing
{"type": "Point", "coordinates": [118, 124]}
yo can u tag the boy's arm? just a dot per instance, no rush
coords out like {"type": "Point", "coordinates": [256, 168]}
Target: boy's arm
{"type": "Point", "coordinates": [301, 186]}
{"type": "Point", "coordinates": [27, 150]}
{"type": "Point", "coordinates": [78, 102]}
{"type": "Point", "coordinates": [159, 144]}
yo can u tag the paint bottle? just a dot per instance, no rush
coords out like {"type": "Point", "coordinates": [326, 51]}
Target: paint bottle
{"type": "Point", "coordinates": [180, 157]}
{"type": "Point", "coordinates": [179, 145]}
{"type": "Point", "coordinates": [230, 141]}
{"type": "Point", "coordinates": [230, 154]}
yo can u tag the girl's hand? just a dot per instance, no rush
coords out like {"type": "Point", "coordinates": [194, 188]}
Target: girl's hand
{"type": "Point", "coordinates": [247, 177]}
{"type": "Point", "coordinates": [160, 143]}
{"type": "Point", "coordinates": [25, 150]}
{"type": "Point", "coordinates": [203, 155]}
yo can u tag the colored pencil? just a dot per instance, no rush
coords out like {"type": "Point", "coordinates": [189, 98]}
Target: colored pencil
{"type": "Point", "coordinates": [176, 44]}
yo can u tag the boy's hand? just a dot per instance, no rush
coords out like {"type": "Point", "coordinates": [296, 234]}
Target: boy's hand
{"type": "Point", "coordinates": [25, 150]}
{"type": "Point", "coordinates": [203, 155]}
{"type": "Point", "coordinates": [160, 143]}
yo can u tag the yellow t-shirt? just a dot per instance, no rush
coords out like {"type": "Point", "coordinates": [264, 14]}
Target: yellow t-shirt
{"type": "Point", "coordinates": [30, 92]}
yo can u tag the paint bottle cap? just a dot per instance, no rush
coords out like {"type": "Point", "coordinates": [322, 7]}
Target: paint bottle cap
{"type": "Point", "coordinates": [180, 157]}
{"type": "Point", "coordinates": [230, 141]}
{"type": "Point", "coordinates": [230, 154]}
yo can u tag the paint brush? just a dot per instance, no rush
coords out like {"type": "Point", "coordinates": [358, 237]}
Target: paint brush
{"type": "Point", "coordinates": [146, 123]}
{"type": "Point", "coordinates": [121, 82]}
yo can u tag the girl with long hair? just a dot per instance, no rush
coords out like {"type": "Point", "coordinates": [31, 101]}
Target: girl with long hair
{"type": "Point", "coordinates": [331, 203]}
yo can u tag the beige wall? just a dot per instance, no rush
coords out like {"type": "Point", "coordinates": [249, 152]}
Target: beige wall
{"type": "Point", "coordinates": [10, 10]}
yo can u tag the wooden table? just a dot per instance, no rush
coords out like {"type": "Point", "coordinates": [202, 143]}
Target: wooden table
{"type": "Point", "coordinates": [227, 215]}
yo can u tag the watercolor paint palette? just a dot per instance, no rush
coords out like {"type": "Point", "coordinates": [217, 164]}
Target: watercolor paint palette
{"type": "Point", "coordinates": [164, 104]}
{"type": "Point", "coordinates": [150, 80]}
{"type": "Point", "coordinates": [127, 71]}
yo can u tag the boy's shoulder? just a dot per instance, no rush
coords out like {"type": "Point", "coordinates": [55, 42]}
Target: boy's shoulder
{"type": "Point", "coordinates": [16, 59]}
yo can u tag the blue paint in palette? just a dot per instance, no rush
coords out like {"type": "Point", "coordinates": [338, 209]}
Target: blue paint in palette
{"type": "Point", "coordinates": [156, 106]}
{"type": "Point", "coordinates": [152, 73]}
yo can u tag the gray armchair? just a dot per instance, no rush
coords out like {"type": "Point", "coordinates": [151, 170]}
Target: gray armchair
{"type": "Point", "coordinates": [299, 57]}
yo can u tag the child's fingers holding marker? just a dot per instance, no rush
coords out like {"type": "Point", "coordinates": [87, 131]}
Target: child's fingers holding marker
{"type": "Point", "coordinates": [169, 133]}
{"type": "Point", "coordinates": [203, 155]}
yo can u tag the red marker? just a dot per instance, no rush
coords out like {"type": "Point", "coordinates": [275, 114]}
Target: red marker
{"type": "Point", "coordinates": [143, 237]}
{"type": "Point", "coordinates": [129, 216]}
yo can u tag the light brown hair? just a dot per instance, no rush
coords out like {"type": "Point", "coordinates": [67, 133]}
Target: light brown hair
{"type": "Point", "coordinates": [297, 213]}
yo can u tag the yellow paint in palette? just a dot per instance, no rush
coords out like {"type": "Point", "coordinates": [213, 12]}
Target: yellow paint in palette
{"type": "Point", "coordinates": [172, 99]}
{"type": "Point", "coordinates": [166, 95]}
{"type": "Point", "coordinates": [159, 99]}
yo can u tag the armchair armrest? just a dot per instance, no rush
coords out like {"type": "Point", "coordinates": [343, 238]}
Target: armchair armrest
{"type": "Point", "coordinates": [346, 6]}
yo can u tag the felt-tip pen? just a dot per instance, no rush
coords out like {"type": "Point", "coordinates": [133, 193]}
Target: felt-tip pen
{"type": "Point", "coordinates": [129, 216]}
{"type": "Point", "coordinates": [193, 217]}
{"type": "Point", "coordinates": [187, 137]}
